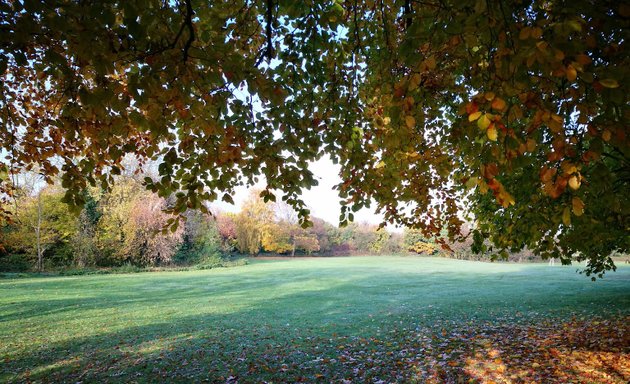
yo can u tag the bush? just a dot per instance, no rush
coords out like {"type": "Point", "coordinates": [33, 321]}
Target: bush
{"type": "Point", "coordinates": [14, 263]}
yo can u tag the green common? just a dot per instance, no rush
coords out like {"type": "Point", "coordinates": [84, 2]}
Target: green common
{"type": "Point", "coordinates": [278, 320]}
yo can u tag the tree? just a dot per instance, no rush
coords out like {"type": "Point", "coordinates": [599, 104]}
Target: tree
{"type": "Point", "coordinates": [227, 230]}
{"type": "Point", "coordinates": [251, 223]}
{"type": "Point", "coordinates": [415, 241]}
{"type": "Point", "coordinates": [278, 237]}
{"type": "Point", "coordinates": [306, 243]}
{"type": "Point", "coordinates": [146, 243]}
{"type": "Point", "coordinates": [42, 223]}
{"type": "Point", "coordinates": [201, 239]}
{"type": "Point", "coordinates": [326, 234]}
{"type": "Point", "coordinates": [84, 239]}
{"type": "Point", "coordinates": [513, 113]}
{"type": "Point", "coordinates": [115, 226]}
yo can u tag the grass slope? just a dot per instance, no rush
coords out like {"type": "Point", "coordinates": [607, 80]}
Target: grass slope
{"type": "Point", "coordinates": [362, 319]}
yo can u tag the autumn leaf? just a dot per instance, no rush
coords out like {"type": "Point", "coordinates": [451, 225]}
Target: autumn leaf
{"type": "Point", "coordinates": [483, 122]}
{"type": "Point", "coordinates": [474, 116]}
{"type": "Point", "coordinates": [410, 121]}
{"type": "Point", "coordinates": [609, 83]}
{"type": "Point", "coordinates": [524, 33]}
{"type": "Point", "coordinates": [492, 132]}
{"type": "Point", "coordinates": [566, 216]}
{"type": "Point", "coordinates": [578, 206]}
{"type": "Point", "coordinates": [574, 182]}
{"type": "Point", "coordinates": [498, 104]}
{"type": "Point", "coordinates": [571, 73]}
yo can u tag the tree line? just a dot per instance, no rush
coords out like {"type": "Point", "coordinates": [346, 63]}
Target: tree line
{"type": "Point", "coordinates": [128, 225]}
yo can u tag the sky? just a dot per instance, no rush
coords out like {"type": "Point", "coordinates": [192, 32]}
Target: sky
{"type": "Point", "coordinates": [322, 200]}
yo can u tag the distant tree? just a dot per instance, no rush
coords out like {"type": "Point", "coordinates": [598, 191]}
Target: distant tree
{"type": "Point", "coordinates": [306, 243]}
{"type": "Point", "coordinates": [43, 222]}
{"type": "Point", "coordinates": [278, 237]}
{"type": "Point", "coordinates": [226, 227]}
{"type": "Point", "coordinates": [84, 245]}
{"type": "Point", "coordinates": [250, 223]}
{"type": "Point", "coordinates": [200, 238]}
{"type": "Point", "coordinates": [326, 233]}
{"type": "Point", "coordinates": [360, 236]}
{"type": "Point", "coordinates": [380, 242]}
{"type": "Point", "coordinates": [112, 229]}
{"type": "Point", "coordinates": [394, 243]}
{"type": "Point", "coordinates": [146, 243]}
{"type": "Point", "coordinates": [415, 241]}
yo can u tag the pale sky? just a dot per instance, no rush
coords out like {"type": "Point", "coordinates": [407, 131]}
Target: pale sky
{"type": "Point", "coordinates": [322, 200]}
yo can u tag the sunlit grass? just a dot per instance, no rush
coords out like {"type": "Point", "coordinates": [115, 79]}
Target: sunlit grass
{"type": "Point", "coordinates": [283, 319]}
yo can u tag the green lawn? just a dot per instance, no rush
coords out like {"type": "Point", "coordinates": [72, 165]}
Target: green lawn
{"type": "Point", "coordinates": [364, 319]}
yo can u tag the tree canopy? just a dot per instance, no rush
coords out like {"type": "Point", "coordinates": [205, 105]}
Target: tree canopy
{"type": "Point", "coordinates": [511, 114]}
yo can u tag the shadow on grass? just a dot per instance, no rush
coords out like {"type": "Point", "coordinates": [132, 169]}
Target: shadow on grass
{"type": "Point", "coordinates": [319, 334]}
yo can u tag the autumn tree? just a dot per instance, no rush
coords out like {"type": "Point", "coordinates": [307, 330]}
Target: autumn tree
{"type": "Point", "coordinates": [112, 229]}
{"type": "Point", "coordinates": [146, 243]}
{"type": "Point", "coordinates": [511, 115]}
{"type": "Point", "coordinates": [415, 241]}
{"type": "Point", "coordinates": [84, 240]}
{"type": "Point", "coordinates": [41, 223]}
{"type": "Point", "coordinates": [306, 243]}
{"type": "Point", "coordinates": [201, 239]}
{"type": "Point", "coordinates": [326, 234]}
{"type": "Point", "coordinates": [226, 228]}
{"type": "Point", "coordinates": [251, 223]}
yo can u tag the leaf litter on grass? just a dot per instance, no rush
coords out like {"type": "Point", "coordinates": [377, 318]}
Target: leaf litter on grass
{"type": "Point", "coordinates": [499, 351]}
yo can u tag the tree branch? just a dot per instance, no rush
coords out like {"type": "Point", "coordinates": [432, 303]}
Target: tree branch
{"type": "Point", "coordinates": [407, 14]}
{"type": "Point", "coordinates": [191, 29]}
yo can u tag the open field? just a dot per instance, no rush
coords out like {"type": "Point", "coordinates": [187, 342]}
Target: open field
{"type": "Point", "coordinates": [363, 319]}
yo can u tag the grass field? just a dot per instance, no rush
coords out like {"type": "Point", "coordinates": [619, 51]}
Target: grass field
{"type": "Point", "coordinates": [358, 319]}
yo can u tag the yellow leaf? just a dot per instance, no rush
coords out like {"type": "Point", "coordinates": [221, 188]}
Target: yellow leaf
{"type": "Point", "coordinates": [569, 169]}
{"type": "Point", "coordinates": [483, 122]}
{"type": "Point", "coordinates": [410, 121]}
{"type": "Point", "coordinates": [606, 135]}
{"type": "Point", "coordinates": [474, 116]}
{"type": "Point", "coordinates": [498, 104]}
{"type": "Point", "coordinates": [524, 33]}
{"type": "Point", "coordinates": [489, 96]}
{"type": "Point", "coordinates": [492, 133]}
{"type": "Point", "coordinates": [566, 216]}
{"type": "Point", "coordinates": [536, 33]}
{"type": "Point", "coordinates": [531, 145]}
{"type": "Point", "coordinates": [555, 126]}
{"type": "Point", "coordinates": [414, 81]}
{"type": "Point", "coordinates": [380, 164]}
{"type": "Point", "coordinates": [571, 73]}
{"type": "Point", "coordinates": [575, 25]}
{"type": "Point", "coordinates": [574, 182]}
{"type": "Point", "coordinates": [609, 83]}
{"type": "Point", "coordinates": [430, 63]}
{"type": "Point", "coordinates": [559, 55]}
{"type": "Point", "coordinates": [472, 182]}
{"type": "Point", "coordinates": [578, 206]}
{"type": "Point", "coordinates": [505, 198]}
{"type": "Point", "coordinates": [583, 59]}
